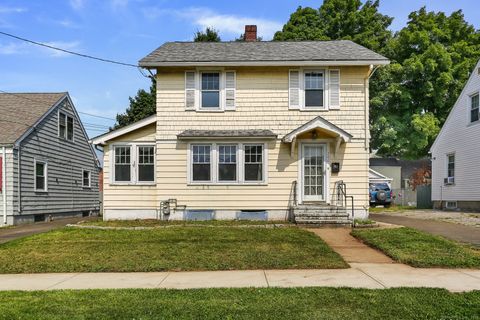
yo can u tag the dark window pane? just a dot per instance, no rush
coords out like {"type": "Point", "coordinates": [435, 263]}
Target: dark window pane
{"type": "Point", "coordinates": [201, 172]}
{"type": "Point", "coordinates": [314, 98]}
{"type": "Point", "coordinates": [227, 172]}
{"type": "Point", "coordinates": [62, 125]}
{"type": "Point", "coordinates": [122, 172]}
{"type": "Point", "coordinates": [210, 99]}
{"type": "Point", "coordinates": [40, 183]}
{"type": "Point", "coordinates": [69, 128]}
{"type": "Point", "coordinates": [475, 115]}
{"type": "Point", "coordinates": [253, 172]}
{"type": "Point", "coordinates": [86, 179]}
{"type": "Point", "coordinates": [146, 172]}
{"type": "Point", "coordinates": [40, 169]}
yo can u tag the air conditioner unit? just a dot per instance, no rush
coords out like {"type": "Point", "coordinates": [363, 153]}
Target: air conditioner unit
{"type": "Point", "coordinates": [449, 180]}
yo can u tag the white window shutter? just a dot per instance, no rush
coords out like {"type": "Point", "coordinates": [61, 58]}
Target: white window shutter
{"type": "Point", "coordinates": [334, 89]}
{"type": "Point", "coordinates": [190, 94]}
{"type": "Point", "coordinates": [294, 89]}
{"type": "Point", "coordinates": [230, 90]}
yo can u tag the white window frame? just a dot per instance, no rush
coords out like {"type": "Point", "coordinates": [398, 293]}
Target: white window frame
{"type": "Point", "coordinates": [237, 162]}
{"type": "Point", "coordinates": [304, 90]}
{"type": "Point", "coordinates": [214, 163]}
{"type": "Point", "coordinates": [221, 88]}
{"type": "Point", "coordinates": [133, 163]}
{"type": "Point", "coordinates": [89, 178]}
{"type": "Point", "coordinates": [65, 115]}
{"type": "Point", "coordinates": [470, 97]}
{"type": "Point", "coordinates": [45, 174]}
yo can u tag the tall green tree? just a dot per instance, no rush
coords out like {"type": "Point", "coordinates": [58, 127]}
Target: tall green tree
{"type": "Point", "coordinates": [411, 98]}
{"type": "Point", "coordinates": [209, 35]}
{"type": "Point", "coordinates": [339, 19]}
{"type": "Point", "coordinates": [141, 106]}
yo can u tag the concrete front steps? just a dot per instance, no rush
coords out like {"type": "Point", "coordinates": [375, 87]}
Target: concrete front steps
{"type": "Point", "coordinates": [315, 215]}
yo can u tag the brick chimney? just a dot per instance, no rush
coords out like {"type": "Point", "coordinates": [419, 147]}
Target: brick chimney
{"type": "Point", "coordinates": [251, 33]}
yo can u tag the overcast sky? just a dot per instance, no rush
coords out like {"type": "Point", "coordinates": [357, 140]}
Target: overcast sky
{"type": "Point", "coordinates": [127, 30]}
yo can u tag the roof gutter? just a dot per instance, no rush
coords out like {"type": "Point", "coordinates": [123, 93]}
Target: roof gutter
{"type": "Point", "coordinates": [264, 63]}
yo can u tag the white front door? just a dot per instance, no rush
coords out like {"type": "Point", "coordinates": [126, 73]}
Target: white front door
{"type": "Point", "coordinates": [313, 172]}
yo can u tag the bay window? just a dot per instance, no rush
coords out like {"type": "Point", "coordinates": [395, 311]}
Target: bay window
{"type": "Point", "coordinates": [231, 163]}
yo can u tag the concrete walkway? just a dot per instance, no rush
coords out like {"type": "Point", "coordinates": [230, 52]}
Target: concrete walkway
{"type": "Point", "coordinates": [350, 248]}
{"type": "Point", "coordinates": [361, 275]}
{"type": "Point", "coordinates": [449, 230]}
{"type": "Point", "coordinates": [16, 232]}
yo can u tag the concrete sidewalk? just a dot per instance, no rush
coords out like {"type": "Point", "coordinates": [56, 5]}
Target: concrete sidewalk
{"type": "Point", "coordinates": [360, 275]}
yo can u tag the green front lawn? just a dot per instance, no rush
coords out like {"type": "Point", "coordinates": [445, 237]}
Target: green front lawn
{"type": "Point", "coordinates": [420, 249]}
{"type": "Point", "coordinates": [247, 303]}
{"type": "Point", "coordinates": [177, 248]}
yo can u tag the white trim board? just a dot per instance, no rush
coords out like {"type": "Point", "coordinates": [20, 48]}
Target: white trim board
{"type": "Point", "coordinates": [102, 139]}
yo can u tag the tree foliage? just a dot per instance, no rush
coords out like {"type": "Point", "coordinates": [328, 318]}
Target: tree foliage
{"type": "Point", "coordinates": [339, 19]}
{"type": "Point", "coordinates": [141, 106]}
{"type": "Point", "coordinates": [431, 58]}
{"type": "Point", "coordinates": [209, 35]}
{"type": "Point", "coordinates": [410, 99]}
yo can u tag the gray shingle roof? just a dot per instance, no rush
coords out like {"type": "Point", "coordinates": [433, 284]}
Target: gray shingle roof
{"type": "Point", "coordinates": [20, 111]}
{"type": "Point", "coordinates": [188, 134]}
{"type": "Point", "coordinates": [178, 53]}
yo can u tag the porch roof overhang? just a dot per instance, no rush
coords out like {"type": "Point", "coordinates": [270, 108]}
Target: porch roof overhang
{"type": "Point", "coordinates": [226, 134]}
{"type": "Point", "coordinates": [341, 136]}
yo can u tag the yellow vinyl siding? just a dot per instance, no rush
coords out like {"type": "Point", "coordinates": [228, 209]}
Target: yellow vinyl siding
{"type": "Point", "coordinates": [261, 103]}
{"type": "Point", "coordinates": [128, 196]}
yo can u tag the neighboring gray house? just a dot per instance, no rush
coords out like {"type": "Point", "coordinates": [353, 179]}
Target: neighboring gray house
{"type": "Point", "coordinates": [456, 152]}
{"type": "Point", "coordinates": [48, 168]}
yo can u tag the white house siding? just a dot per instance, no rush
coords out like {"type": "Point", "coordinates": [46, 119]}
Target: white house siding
{"type": "Point", "coordinates": [461, 137]}
{"type": "Point", "coordinates": [66, 162]}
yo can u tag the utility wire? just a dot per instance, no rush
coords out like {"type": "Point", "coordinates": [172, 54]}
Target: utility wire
{"type": "Point", "coordinates": [68, 51]}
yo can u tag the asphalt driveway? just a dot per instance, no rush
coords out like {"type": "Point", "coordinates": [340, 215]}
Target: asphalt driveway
{"type": "Point", "coordinates": [457, 232]}
{"type": "Point", "coordinates": [25, 230]}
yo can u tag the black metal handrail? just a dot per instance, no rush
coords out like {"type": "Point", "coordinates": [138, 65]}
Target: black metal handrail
{"type": "Point", "coordinates": [341, 198]}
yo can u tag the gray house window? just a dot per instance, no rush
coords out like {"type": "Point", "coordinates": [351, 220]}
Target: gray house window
{"type": "Point", "coordinates": [146, 163]}
{"type": "Point", "coordinates": [122, 164]}
{"type": "Point", "coordinates": [211, 90]}
{"type": "Point", "coordinates": [40, 175]}
{"type": "Point", "coordinates": [227, 163]}
{"type": "Point", "coordinates": [253, 162]}
{"type": "Point", "coordinates": [314, 89]}
{"type": "Point", "coordinates": [86, 179]}
{"type": "Point", "coordinates": [475, 108]}
{"type": "Point", "coordinates": [65, 126]}
{"type": "Point", "coordinates": [201, 169]}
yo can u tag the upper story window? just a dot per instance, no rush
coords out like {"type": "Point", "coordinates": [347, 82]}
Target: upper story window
{"type": "Point", "coordinates": [210, 90]}
{"type": "Point", "coordinates": [134, 164]}
{"type": "Point", "coordinates": [314, 89]}
{"type": "Point", "coordinates": [474, 108]}
{"type": "Point", "coordinates": [65, 126]}
{"type": "Point", "coordinates": [40, 175]}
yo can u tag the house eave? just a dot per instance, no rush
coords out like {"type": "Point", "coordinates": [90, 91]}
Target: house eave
{"type": "Point", "coordinates": [104, 138]}
{"type": "Point", "coordinates": [324, 63]}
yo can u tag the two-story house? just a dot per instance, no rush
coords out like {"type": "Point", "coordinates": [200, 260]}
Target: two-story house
{"type": "Point", "coordinates": [456, 152]}
{"type": "Point", "coordinates": [48, 169]}
{"type": "Point", "coordinates": [247, 130]}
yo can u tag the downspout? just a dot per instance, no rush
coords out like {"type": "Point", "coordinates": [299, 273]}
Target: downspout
{"type": "Point", "coordinates": [371, 71]}
{"type": "Point", "coordinates": [4, 184]}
